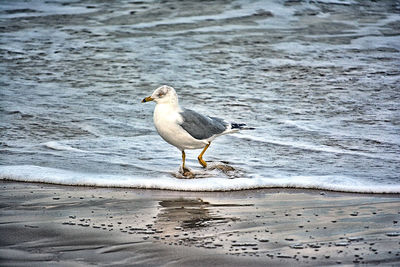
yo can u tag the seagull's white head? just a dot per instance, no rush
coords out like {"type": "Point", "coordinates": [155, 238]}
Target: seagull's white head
{"type": "Point", "coordinates": [164, 94]}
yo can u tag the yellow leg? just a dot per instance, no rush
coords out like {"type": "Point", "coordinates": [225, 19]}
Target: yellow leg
{"type": "Point", "coordinates": [200, 157]}
{"type": "Point", "coordinates": [183, 160]}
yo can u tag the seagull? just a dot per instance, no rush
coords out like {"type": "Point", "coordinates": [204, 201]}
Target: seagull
{"type": "Point", "coordinates": [185, 128]}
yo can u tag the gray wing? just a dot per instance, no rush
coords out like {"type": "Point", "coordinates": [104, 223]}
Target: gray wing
{"type": "Point", "coordinates": [201, 127]}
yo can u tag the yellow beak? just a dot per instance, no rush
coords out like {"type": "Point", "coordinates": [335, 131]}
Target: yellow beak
{"type": "Point", "coordinates": [147, 99]}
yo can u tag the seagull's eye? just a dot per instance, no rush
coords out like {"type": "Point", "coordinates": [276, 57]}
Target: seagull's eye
{"type": "Point", "coordinates": [161, 93]}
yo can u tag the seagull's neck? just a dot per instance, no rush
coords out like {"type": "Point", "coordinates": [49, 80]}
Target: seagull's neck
{"type": "Point", "coordinates": [167, 107]}
{"type": "Point", "coordinates": [166, 112]}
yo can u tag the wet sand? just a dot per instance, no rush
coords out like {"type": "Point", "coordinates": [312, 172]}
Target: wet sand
{"type": "Point", "coordinates": [49, 224]}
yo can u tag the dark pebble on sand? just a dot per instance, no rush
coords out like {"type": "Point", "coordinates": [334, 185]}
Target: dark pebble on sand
{"type": "Point", "coordinates": [341, 244]}
{"type": "Point", "coordinates": [393, 234]}
{"type": "Point", "coordinates": [355, 239]}
{"type": "Point", "coordinates": [244, 245]}
{"type": "Point", "coordinates": [137, 229]}
{"type": "Point", "coordinates": [147, 232]}
{"type": "Point", "coordinates": [284, 256]}
{"type": "Point", "coordinates": [297, 246]}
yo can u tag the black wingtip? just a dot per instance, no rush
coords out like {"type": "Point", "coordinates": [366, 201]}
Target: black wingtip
{"type": "Point", "coordinates": [241, 126]}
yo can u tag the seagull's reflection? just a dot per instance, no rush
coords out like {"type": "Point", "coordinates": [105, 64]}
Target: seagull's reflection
{"type": "Point", "coordinates": [186, 214]}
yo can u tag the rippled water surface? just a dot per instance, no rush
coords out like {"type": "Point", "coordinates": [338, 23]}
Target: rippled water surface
{"type": "Point", "coordinates": [319, 80]}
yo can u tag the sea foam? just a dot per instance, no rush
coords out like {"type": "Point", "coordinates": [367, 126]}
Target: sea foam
{"type": "Point", "coordinates": [30, 173]}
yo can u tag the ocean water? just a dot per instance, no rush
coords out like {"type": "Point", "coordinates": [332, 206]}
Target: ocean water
{"type": "Point", "coordinates": [319, 80]}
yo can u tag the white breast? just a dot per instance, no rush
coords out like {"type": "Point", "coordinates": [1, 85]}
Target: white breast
{"type": "Point", "coordinates": [167, 119]}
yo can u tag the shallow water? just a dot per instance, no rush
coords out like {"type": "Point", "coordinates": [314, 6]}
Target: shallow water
{"type": "Point", "coordinates": [319, 80]}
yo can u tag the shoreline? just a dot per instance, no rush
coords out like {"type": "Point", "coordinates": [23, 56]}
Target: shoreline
{"type": "Point", "coordinates": [76, 225]}
{"type": "Point", "coordinates": [266, 188]}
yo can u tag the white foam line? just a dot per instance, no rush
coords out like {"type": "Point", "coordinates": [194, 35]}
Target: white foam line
{"type": "Point", "coordinates": [58, 146]}
{"type": "Point", "coordinates": [29, 173]}
{"type": "Point", "coordinates": [337, 2]}
{"type": "Point", "coordinates": [313, 128]}
{"type": "Point", "coordinates": [309, 147]}
{"type": "Point", "coordinates": [247, 9]}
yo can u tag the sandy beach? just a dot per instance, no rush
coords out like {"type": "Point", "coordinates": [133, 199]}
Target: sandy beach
{"type": "Point", "coordinates": [43, 225]}
{"type": "Point", "coordinates": [317, 80]}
